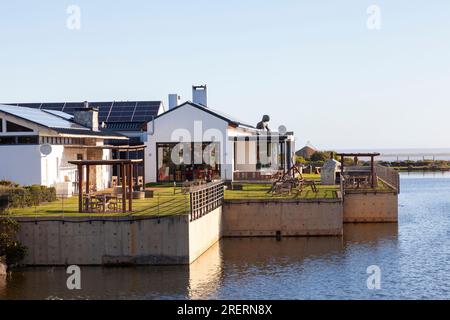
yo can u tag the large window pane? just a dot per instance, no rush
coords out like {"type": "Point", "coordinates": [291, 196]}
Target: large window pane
{"type": "Point", "coordinates": [14, 127]}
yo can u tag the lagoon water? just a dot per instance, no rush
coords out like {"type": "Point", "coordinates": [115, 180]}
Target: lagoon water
{"type": "Point", "coordinates": [414, 258]}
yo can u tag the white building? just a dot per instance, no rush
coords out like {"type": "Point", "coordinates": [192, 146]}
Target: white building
{"type": "Point", "coordinates": [213, 145]}
{"type": "Point", "coordinates": [36, 146]}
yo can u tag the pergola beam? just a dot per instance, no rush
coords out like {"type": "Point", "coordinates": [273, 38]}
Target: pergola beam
{"type": "Point", "coordinates": [126, 169]}
{"type": "Point", "coordinates": [371, 155]}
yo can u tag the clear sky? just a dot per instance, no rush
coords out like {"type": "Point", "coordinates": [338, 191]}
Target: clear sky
{"type": "Point", "coordinates": [313, 66]}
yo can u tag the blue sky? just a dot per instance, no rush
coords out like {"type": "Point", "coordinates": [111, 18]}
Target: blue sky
{"type": "Point", "coordinates": [313, 66]}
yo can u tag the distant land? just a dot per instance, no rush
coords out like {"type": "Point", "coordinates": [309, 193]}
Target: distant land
{"type": "Point", "coordinates": [413, 154]}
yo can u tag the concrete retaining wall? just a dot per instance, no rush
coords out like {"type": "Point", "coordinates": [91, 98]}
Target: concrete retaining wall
{"type": "Point", "coordinates": [204, 233]}
{"type": "Point", "coordinates": [291, 218]}
{"type": "Point", "coordinates": [371, 207]}
{"type": "Point", "coordinates": [118, 241]}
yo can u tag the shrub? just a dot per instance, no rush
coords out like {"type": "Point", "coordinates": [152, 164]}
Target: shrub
{"type": "Point", "coordinates": [12, 249]}
{"type": "Point", "coordinates": [6, 183]}
{"type": "Point", "coordinates": [300, 160]}
{"type": "Point", "coordinates": [21, 197]}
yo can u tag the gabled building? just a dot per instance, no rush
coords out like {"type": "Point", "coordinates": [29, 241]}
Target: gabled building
{"type": "Point", "coordinates": [36, 146]}
{"type": "Point", "coordinates": [193, 141]}
{"type": "Point", "coordinates": [128, 118]}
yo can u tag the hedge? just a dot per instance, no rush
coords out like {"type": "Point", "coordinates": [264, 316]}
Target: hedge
{"type": "Point", "coordinates": [21, 197]}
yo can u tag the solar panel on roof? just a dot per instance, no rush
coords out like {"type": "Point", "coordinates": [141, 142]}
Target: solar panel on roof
{"type": "Point", "coordinates": [52, 106]}
{"type": "Point", "coordinates": [59, 114]}
{"type": "Point", "coordinates": [121, 111]}
{"type": "Point", "coordinates": [40, 117]}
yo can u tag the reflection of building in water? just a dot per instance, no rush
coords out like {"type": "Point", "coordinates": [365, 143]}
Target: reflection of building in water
{"type": "Point", "coordinates": [370, 232]}
{"type": "Point", "coordinates": [205, 274]}
{"type": "Point", "coordinates": [261, 250]}
{"type": "Point", "coordinates": [2, 285]}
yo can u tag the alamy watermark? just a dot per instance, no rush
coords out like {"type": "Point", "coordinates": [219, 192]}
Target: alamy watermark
{"type": "Point", "coordinates": [374, 17]}
{"type": "Point", "coordinates": [374, 280]}
{"type": "Point", "coordinates": [74, 280]}
{"type": "Point", "coordinates": [212, 146]}
{"type": "Point", "coordinates": [73, 21]}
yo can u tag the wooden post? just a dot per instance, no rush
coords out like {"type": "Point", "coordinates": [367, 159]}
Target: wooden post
{"type": "Point", "coordinates": [124, 188]}
{"type": "Point", "coordinates": [80, 188]}
{"type": "Point", "coordinates": [372, 168]}
{"type": "Point", "coordinates": [87, 187]}
{"type": "Point", "coordinates": [143, 172]}
{"type": "Point", "coordinates": [342, 165]}
{"type": "Point", "coordinates": [130, 187]}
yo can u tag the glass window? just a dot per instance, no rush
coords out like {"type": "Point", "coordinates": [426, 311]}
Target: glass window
{"type": "Point", "coordinates": [28, 140]}
{"type": "Point", "coordinates": [8, 140]}
{"type": "Point", "coordinates": [14, 127]}
{"type": "Point", "coordinates": [188, 161]}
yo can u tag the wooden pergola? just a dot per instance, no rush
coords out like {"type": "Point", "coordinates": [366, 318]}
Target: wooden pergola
{"type": "Point", "coordinates": [123, 148]}
{"type": "Point", "coordinates": [126, 170]}
{"type": "Point", "coordinates": [358, 155]}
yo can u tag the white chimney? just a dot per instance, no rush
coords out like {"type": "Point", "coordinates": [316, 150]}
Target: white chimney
{"type": "Point", "coordinates": [174, 100]}
{"type": "Point", "coordinates": [199, 95]}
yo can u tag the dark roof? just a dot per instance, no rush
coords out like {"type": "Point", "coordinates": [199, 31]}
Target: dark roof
{"type": "Point", "coordinates": [123, 126]}
{"type": "Point", "coordinates": [109, 111]}
{"type": "Point", "coordinates": [231, 120]}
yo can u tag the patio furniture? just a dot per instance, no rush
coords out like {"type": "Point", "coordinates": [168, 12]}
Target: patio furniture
{"type": "Point", "coordinates": [292, 180]}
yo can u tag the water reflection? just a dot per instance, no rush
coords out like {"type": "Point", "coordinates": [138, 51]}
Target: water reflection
{"type": "Point", "coordinates": [413, 256]}
{"type": "Point", "coordinates": [2, 285]}
{"type": "Point", "coordinates": [232, 261]}
{"type": "Point", "coordinates": [370, 233]}
{"type": "Point", "coordinates": [205, 273]}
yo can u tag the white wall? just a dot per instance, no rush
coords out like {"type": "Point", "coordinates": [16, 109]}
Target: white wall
{"type": "Point", "coordinates": [21, 164]}
{"type": "Point", "coordinates": [179, 120]}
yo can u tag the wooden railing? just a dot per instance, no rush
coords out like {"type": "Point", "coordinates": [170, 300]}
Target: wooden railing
{"type": "Point", "coordinates": [390, 176]}
{"type": "Point", "coordinates": [205, 198]}
{"type": "Point", "coordinates": [255, 176]}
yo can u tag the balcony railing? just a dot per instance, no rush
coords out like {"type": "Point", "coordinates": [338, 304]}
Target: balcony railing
{"type": "Point", "coordinates": [390, 176]}
{"type": "Point", "coordinates": [205, 199]}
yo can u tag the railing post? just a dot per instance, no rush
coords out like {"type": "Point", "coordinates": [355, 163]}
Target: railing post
{"type": "Point", "coordinates": [157, 204]}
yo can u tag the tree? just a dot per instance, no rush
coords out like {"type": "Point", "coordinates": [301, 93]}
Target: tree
{"type": "Point", "coordinates": [320, 156]}
{"type": "Point", "coordinates": [12, 249]}
{"type": "Point", "coordinates": [300, 160]}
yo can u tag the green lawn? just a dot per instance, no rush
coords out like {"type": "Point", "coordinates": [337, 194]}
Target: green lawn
{"type": "Point", "coordinates": [165, 202]}
{"type": "Point", "coordinates": [168, 200]}
{"type": "Point", "coordinates": [260, 191]}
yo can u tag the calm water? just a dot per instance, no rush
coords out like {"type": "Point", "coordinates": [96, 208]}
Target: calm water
{"type": "Point", "coordinates": [413, 256]}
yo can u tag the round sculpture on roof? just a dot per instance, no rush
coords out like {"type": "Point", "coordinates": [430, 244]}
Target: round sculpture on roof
{"type": "Point", "coordinates": [264, 123]}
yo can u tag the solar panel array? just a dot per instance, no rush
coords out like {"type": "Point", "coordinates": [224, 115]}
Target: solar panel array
{"type": "Point", "coordinates": [44, 118]}
{"type": "Point", "coordinates": [129, 111]}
